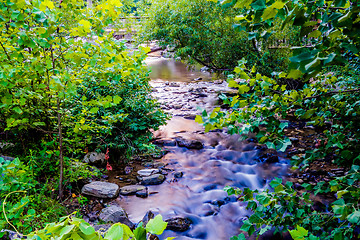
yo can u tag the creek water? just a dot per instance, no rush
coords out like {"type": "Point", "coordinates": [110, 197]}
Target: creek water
{"type": "Point", "coordinates": [224, 161]}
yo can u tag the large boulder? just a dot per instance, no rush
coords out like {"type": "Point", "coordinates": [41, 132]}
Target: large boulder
{"type": "Point", "coordinates": [94, 158]}
{"type": "Point", "coordinates": [101, 189]}
{"type": "Point", "coordinates": [131, 189]}
{"type": "Point", "coordinates": [189, 143]}
{"type": "Point", "coordinates": [115, 214]}
{"type": "Point", "coordinates": [148, 172]}
{"type": "Point", "coordinates": [153, 179]}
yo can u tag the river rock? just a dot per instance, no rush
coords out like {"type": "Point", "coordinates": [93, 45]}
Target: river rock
{"type": "Point", "coordinates": [189, 143]}
{"type": "Point", "coordinates": [149, 215]}
{"type": "Point", "coordinates": [178, 174]}
{"type": "Point", "coordinates": [102, 228]}
{"type": "Point", "coordinates": [11, 234]}
{"type": "Point", "coordinates": [112, 214]}
{"type": "Point", "coordinates": [143, 193]}
{"type": "Point", "coordinates": [178, 224]}
{"type": "Point", "coordinates": [7, 158]}
{"type": "Point", "coordinates": [158, 165]}
{"type": "Point", "coordinates": [101, 189]}
{"type": "Point", "coordinates": [95, 158]}
{"type": "Point", "coordinates": [165, 142]}
{"type": "Point", "coordinates": [131, 189]}
{"type": "Point", "coordinates": [148, 171]}
{"type": "Point", "coordinates": [174, 84]}
{"type": "Point", "coordinates": [155, 179]}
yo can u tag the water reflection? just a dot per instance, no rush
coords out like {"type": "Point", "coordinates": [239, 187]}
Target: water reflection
{"type": "Point", "coordinates": [171, 70]}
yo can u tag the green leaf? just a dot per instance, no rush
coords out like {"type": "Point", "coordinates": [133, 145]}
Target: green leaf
{"type": "Point", "coordinates": [315, 34]}
{"type": "Point", "coordinates": [86, 228]}
{"type": "Point", "coordinates": [299, 233]}
{"type": "Point", "coordinates": [199, 119]}
{"type": "Point", "coordinates": [140, 232]}
{"type": "Point", "coordinates": [156, 226]}
{"type": "Point", "coordinates": [117, 99]}
{"type": "Point", "coordinates": [354, 218]}
{"type": "Point", "coordinates": [268, 13]}
{"type": "Point", "coordinates": [18, 110]}
{"type": "Point", "coordinates": [94, 110]}
{"type": "Point", "coordinates": [67, 229]}
{"type": "Point", "coordinates": [258, 5]}
{"type": "Point", "coordinates": [294, 73]}
{"type": "Point", "coordinates": [241, 236]}
{"type": "Point", "coordinates": [243, 89]}
{"type": "Point", "coordinates": [115, 232]}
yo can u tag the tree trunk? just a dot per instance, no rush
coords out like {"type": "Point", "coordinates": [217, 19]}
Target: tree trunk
{"type": "Point", "coordinates": [61, 157]}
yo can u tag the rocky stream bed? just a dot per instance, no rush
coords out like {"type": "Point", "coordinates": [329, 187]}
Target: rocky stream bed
{"type": "Point", "coordinates": [185, 184]}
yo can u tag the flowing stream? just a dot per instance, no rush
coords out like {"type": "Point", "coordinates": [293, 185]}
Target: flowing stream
{"type": "Point", "coordinates": [223, 161]}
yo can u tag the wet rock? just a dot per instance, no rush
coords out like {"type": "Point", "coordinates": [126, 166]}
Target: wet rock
{"type": "Point", "coordinates": [204, 69]}
{"type": "Point", "coordinates": [153, 237]}
{"type": "Point", "coordinates": [190, 144]}
{"type": "Point", "coordinates": [105, 176]}
{"type": "Point", "coordinates": [155, 179]}
{"type": "Point", "coordinates": [178, 174]}
{"type": "Point", "coordinates": [131, 189]}
{"type": "Point", "coordinates": [148, 164]}
{"type": "Point", "coordinates": [102, 228]}
{"type": "Point", "coordinates": [92, 217]}
{"type": "Point", "coordinates": [201, 95]}
{"type": "Point", "coordinates": [218, 203]}
{"type": "Point", "coordinates": [94, 158]}
{"type": "Point", "coordinates": [268, 158]}
{"type": "Point", "coordinates": [209, 210]}
{"type": "Point", "coordinates": [177, 106]}
{"type": "Point", "coordinates": [165, 142]}
{"type": "Point", "coordinates": [198, 79]}
{"type": "Point", "coordinates": [158, 165]}
{"type": "Point", "coordinates": [142, 194]}
{"type": "Point", "coordinates": [127, 170]}
{"type": "Point", "coordinates": [190, 116]}
{"type": "Point", "coordinates": [174, 84]}
{"type": "Point", "coordinates": [7, 158]}
{"type": "Point", "coordinates": [294, 139]}
{"type": "Point", "coordinates": [252, 140]}
{"type": "Point", "coordinates": [218, 81]}
{"type": "Point", "coordinates": [112, 213]}
{"type": "Point", "coordinates": [178, 224]}
{"type": "Point", "coordinates": [147, 172]}
{"type": "Point", "coordinates": [101, 189]}
{"type": "Point", "coordinates": [148, 215]}
{"type": "Point", "coordinates": [11, 234]}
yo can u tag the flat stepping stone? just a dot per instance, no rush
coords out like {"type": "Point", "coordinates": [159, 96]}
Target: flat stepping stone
{"type": "Point", "coordinates": [148, 172]}
{"type": "Point", "coordinates": [101, 189]}
{"type": "Point", "coordinates": [155, 179]}
{"type": "Point", "coordinates": [131, 189]}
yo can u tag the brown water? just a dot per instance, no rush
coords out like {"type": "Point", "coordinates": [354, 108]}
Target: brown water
{"type": "Point", "coordinates": [199, 194]}
{"type": "Point", "coordinates": [168, 69]}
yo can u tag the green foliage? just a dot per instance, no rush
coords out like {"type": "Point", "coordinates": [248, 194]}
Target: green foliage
{"type": "Point", "coordinates": [207, 33]}
{"type": "Point", "coordinates": [68, 85]}
{"type": "Point", "coordinates": [329, 29]}
{"type": "Point", "coordinates": [263, 103]}
{"type": "Point", "coordinates": [23, 200]}
{"type": "Point", "coordinates": [74, 228]}
{"type": "Point", "coordinates": [283, 208]}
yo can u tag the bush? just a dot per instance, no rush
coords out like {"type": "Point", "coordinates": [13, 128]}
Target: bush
{"type": "Point", "coordinates": [24, 200]}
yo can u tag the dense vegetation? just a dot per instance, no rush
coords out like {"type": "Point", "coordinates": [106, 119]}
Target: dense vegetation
{"type": "Point", "coordinates": [312, 92]}
{"type": "Point", "coordinates": [68, 87]}
{"type": "Point", "coordinates": [207, 33]}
